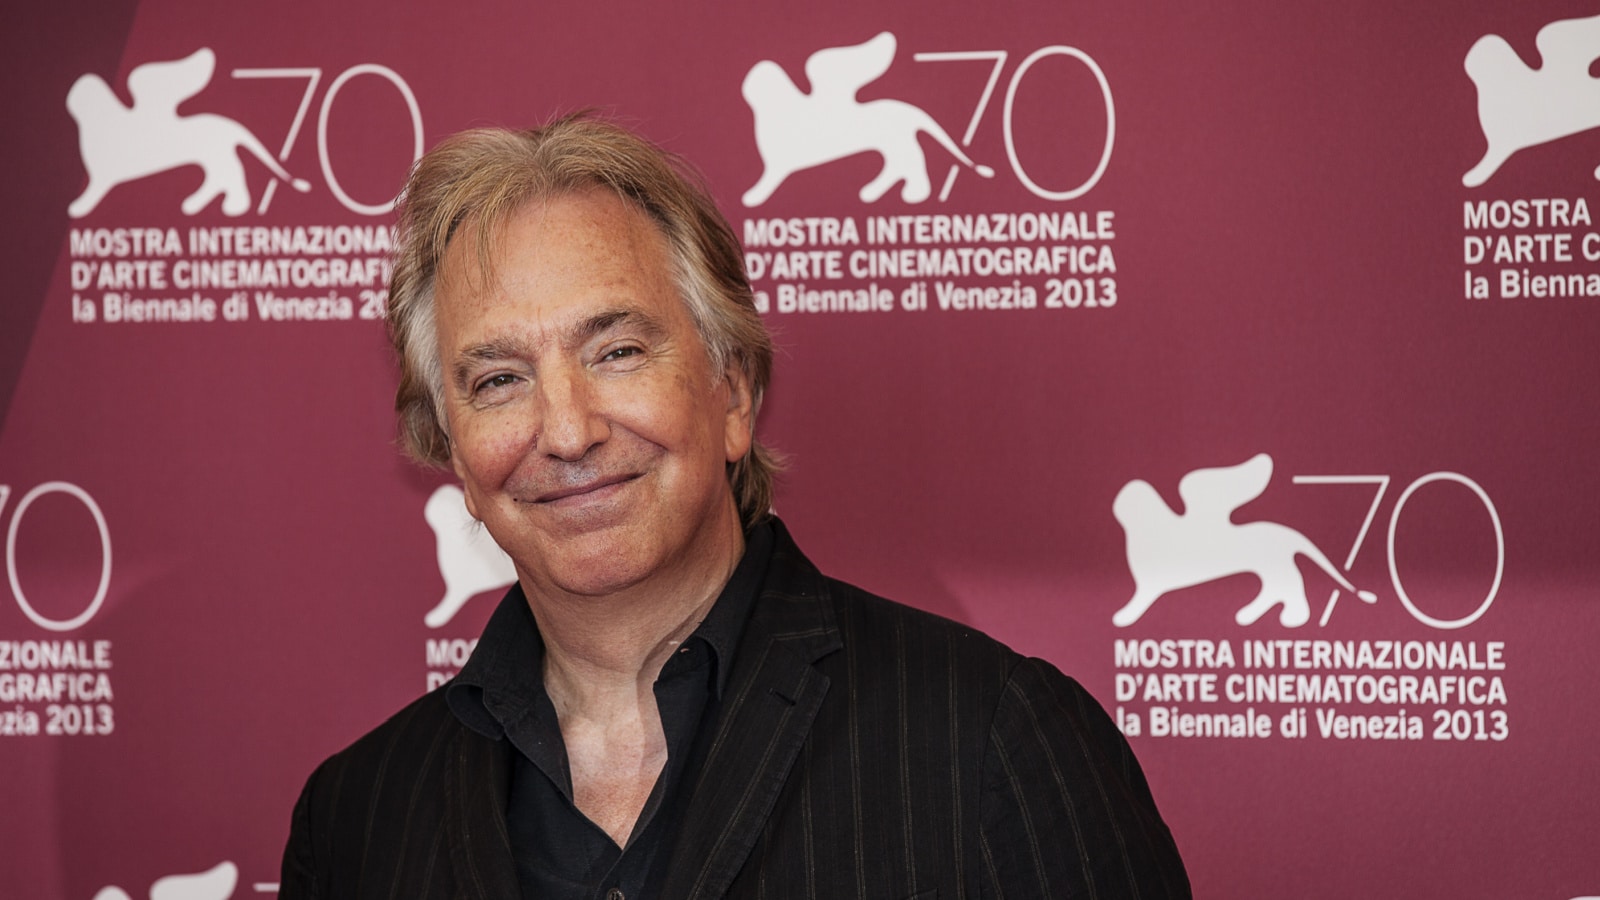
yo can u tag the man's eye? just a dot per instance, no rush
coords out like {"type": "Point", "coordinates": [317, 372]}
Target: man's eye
{"type": "Point", "coordinates": [496, 381]}
{"type": "Point", "coordinates": [623, 352]}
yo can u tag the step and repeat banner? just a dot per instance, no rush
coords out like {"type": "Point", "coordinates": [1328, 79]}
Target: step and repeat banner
{"type": "Point", "coordinates": [1240, 359]}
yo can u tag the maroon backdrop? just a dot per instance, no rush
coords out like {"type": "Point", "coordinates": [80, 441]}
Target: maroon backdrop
{"type": "Point", "coordinates": [1263, 241]}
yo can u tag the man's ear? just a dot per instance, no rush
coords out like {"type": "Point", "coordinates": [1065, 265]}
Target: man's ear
{"type": "Point", "coordinates": [740, 423]}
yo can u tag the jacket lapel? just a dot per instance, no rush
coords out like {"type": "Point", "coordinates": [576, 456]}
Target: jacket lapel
{"type": "Point", "coordinates": [477, 784]}
{"type": "Point", "coordinates": [772, 697]}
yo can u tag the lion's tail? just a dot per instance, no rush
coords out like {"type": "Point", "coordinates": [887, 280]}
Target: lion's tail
{"type": "Point", "coordinates": [1311, 552]}
{"type": "Point", "coordinates": [938, 133]}
{"type": "Point", "coordinates": [251, 143]}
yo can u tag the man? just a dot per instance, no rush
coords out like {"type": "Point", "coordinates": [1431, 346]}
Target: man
{"type": "Point", "coordinates": [672, 701]}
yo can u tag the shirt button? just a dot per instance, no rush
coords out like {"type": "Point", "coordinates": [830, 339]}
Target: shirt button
{"type": "Point", "coordinates": [615, 894]}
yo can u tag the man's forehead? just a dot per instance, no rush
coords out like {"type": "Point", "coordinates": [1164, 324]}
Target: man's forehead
{"type": "Point", "coordinates": [479, 244]}
{"type": "Point", "coordinates": [565, 269]}
{"type": "Point", "coordinates": [567, 327]}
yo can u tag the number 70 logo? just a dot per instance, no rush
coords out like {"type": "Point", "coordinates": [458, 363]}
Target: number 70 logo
{"type": "Point", "coordinates": [313, 78]}
{"type": "Point", "coordinates": [1381, 483]}
{"type": "Point", "coordinates": [1008, 119]}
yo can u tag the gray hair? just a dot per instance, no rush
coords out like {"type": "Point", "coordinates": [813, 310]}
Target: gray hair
{"type": "Point", "coordinates": [484, 176]}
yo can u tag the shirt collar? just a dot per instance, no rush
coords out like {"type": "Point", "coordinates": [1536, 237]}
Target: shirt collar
{"type": "Point", "coordinates": [724, 625]}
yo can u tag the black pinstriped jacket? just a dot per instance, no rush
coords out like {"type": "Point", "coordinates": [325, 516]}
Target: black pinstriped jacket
{"type": "Point", "coordinates": [866, 750]}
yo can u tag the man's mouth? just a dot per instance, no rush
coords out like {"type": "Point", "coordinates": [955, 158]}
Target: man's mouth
{"type": "Point", "coordinates": [584, 488]}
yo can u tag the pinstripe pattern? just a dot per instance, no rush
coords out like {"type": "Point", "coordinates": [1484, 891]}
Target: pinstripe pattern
{"type": "Point", "coordinates": [853, 724]}
{"type": "Point", "coordinates": [955, 832]}
{"type": "Point", "coordinates": [864, 750]}
{"type": "Point", "coordinates": [908, 812]}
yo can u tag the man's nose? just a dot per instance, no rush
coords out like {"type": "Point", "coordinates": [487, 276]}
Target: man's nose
{"type": "Point", "coordinates": [571, 422]}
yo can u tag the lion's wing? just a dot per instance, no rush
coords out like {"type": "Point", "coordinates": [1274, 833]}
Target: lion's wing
{"type": "Point", "coordinates": [164, 85]}
{"type": "Point", "coordinates": [1571, 45]}
{"type": "Point", "coordinates": [1222, 490]}
{"type": "Point", "coordinates": [841, 71]}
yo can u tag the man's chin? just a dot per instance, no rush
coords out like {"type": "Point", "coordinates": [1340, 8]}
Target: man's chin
{"type": "Point", "coordinates": [597, 585]}
{"type": "Point", "coordinates": [594, 563]}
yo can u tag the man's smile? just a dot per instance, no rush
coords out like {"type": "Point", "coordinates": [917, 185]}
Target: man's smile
{"type": "Point", "coordinates": [588, 490]}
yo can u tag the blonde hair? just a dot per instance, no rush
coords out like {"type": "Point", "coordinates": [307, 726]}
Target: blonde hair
{"type": "Point", "coordinates": [484, 176]}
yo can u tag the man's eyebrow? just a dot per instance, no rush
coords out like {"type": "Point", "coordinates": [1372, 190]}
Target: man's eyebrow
{"type": "Point", "coordinates": [630, 317]}
{"type": "Point", "coordinates": [492, 351]}
{"type": "Point", "coordinates": [575, 335]}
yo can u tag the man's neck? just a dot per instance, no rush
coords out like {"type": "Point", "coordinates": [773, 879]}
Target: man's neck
{"type": "Point", "coordinates": [602, 657]}
{"type": "Point", "coordinates": [604, 653]}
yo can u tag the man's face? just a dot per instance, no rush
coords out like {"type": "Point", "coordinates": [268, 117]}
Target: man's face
{"type": "Point", "coordinates": [588, 429]}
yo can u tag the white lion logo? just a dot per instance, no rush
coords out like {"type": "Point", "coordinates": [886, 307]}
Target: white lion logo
{"type": "Point", "coordinates": [1168, 551]}
{"type": "Point", "coordinates": [125, 143]}
{"type": "Point", "coordinates": [1520, 107]}
{"type": "Point", "coordinates": [470, 562]}
{"type": "Point", "coordinates": [796, 130]}
{"type": "Point", "coordinates": [216, 883]}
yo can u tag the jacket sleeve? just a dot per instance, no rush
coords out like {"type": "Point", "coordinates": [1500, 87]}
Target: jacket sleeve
{"type": "Point", "coordinates": [298, 878]}
{"type": "Point", "coordinates": [1065, 808]}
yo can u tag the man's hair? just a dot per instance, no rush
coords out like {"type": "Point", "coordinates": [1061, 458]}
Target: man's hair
{"type": "Point", "coordinates": [485, 176]}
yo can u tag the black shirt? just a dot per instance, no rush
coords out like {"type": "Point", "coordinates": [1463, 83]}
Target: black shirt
{"type": "Point", "coordinates": [500, 693]}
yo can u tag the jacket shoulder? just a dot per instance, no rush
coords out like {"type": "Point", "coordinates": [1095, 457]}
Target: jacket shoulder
{"type": "Point", "coordinates": [399, 746]}
{"type": "Point", "coordinates": [371, 810]}
{"type": "Point", "coordinates": [870, 621]}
